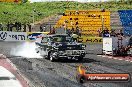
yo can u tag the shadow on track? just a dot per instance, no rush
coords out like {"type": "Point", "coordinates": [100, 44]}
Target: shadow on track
{"type": "Point", "coordinates": [85, 60]}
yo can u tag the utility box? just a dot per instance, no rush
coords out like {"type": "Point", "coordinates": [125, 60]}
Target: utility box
{"type": "Point", "coordinates": [114, 43]}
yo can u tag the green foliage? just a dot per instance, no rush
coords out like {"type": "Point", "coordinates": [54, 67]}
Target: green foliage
{"type": "Point", "coordinates": [12, 12]}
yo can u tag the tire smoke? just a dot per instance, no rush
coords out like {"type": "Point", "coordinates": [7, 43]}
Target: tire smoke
{"type": "Point", "coordinates": [26, 49]}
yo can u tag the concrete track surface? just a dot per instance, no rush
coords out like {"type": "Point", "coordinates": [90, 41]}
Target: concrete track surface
{"type": "Point", "coordinates": [62, 73]}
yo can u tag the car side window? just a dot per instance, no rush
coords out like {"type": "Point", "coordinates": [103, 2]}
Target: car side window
{"type": "Point", "coordinates": [48, 39]}
{"type": "Point", "coordinates": [44, 40]}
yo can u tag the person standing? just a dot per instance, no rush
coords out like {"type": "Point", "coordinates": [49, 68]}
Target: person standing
{"type": "Point", "coordinates": [24, 27]}
{"type": "Point", "coordinates": [74, 36]}
{"type": "Point", "coordinates": [29, 27]}
{"type": "Point", "coordinates": [1, 27]}
{"type": "Point", "coordinates": [41, 28]}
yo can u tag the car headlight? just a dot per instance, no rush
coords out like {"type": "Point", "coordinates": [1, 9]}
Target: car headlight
{"type": "Point", "coordinates": [62, 52]}
{"type": "Point", "coordinates": [56, 48]}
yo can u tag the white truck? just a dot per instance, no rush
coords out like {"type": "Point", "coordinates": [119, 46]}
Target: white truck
{"type": "Point", "coordinates": [117, 45]}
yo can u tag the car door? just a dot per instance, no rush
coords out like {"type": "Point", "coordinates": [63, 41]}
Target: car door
{"type": "Point", "coordinates": [43, 46]}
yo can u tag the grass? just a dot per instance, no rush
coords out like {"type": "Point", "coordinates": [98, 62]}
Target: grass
{"type": "Point", "coordinates": [12, 12]}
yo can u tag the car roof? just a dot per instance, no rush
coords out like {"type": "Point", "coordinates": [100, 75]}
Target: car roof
{"type": "Point", "coordinates": [5, 73]}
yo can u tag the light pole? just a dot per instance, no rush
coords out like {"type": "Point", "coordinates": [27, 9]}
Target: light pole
{"type": "Point", "coordinates": [102, 20]}
{"type": "Point", "coordinates": [33, 15]}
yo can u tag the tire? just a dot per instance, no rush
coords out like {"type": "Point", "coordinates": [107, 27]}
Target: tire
{"type": "Point", "coordinates": [80, 58]}
{"type": "Point", "coordinates": [51, 57]}
{"type": "Point", "coordinates": [37, 50]}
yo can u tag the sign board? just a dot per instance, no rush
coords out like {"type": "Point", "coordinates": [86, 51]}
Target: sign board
{"type": "Point", "coordinates": [12, 36]}
{"type": "Point", "coordinates": [107, 45]}
{"type": "Point", "coordinates": [84, 39]}
{"type": "Point", "coordinates": [111, 43]}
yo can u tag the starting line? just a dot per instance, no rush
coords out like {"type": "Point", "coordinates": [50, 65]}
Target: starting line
{"type": "Point", "coordinates": [127, 58]}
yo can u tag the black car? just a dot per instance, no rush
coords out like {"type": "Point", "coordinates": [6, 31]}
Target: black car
{"type": "Point", "coordinates": [60, 46]}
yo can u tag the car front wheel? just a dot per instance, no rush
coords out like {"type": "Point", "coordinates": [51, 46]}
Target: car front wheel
{"type": "Point", "coordinates": [51, 57]}
{"type": "Point", "coordinates": [80, 58]}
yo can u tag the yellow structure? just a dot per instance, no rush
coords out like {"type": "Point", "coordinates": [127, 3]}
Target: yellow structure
{"type": "Point", "coordinates": [91, 22]}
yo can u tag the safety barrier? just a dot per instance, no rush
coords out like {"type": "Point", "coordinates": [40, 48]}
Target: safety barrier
{"type": "Point", "coordinates": [32, 36]}
{"type": "Point", "coordinates": [12, 36]}
{"type": "Point", "coordinates": [20, 36]}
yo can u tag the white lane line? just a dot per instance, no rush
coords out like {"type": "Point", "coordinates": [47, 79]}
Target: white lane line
{"type": "Point", "coordinates": [120, 59]}
{"type": "Point", "coordinates": [126, 60]}
{"type": "Point", "coordinates": [99, 55]}
{"type": "Point", "coordinates": [114, 58]}
{"type": "Point", "coordinates": [110, 57]}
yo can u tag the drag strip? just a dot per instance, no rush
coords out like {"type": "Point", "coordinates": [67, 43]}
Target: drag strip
{"type": "Point", "coordinates": [42, 73]}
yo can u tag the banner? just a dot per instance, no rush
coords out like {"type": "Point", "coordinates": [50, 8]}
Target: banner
{"type": "Point", "coordinates": [32, 36]}
{"type": "Point", "coordinates": [85, 39]}
{"type": "Point", "coordinates": [12, 36]}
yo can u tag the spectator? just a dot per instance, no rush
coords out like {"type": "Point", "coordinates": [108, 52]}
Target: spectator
{"type": "Point", "coordinates": [72, 30]}
{"type": "Point", "coordinates": [24, 28]}
{"type": "Point", "coordinates": [68, 32]}
{"type": "Point", "coordinates": [11, 26]}
{"type": "Point", "coordinates": [44, 29]}
{"type": "Point", "coordinates": [103, 10]}
{"type": "Point", "coordinates": [8, 26]}
{"type": "Point", "coordinates": [64, 14]}
{"type": "Point", "coordinates": [77, 12]}
{"type": "Point", "coordinates": [17, 26]}
{"type": "Point", "coordinates": [29, 27]}
{"type": "Point", "coordinates": [1, 27]}
{"type": "Point", "coordinates": [80, 32]}
{"type": "Point", "coordinates": [41, 28]}
{"type": "Point", "coordinates": [113, 33]}
{"type": "Point", "coordinates": [53, 31]}
{"type": "Point", "coordinates": [100, 32]}
{"type": "Point", "coordinates": [77, 30]}
{"type": "Point", "coordinates": [106, 33]}
{"type": "Point", "coordinates": [121, 33]}
{"type": "Point", "coordinates": [74, 36]}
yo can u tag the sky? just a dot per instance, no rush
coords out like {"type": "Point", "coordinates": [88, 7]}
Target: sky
{"type": "Point", "coordinates": [70, 0]}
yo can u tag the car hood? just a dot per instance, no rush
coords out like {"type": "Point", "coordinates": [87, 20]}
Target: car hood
{"type": "Point", "coordinates": [69, 46]}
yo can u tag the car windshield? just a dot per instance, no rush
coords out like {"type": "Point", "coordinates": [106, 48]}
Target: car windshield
{"type": "Point", "coordinates": [61, 39]}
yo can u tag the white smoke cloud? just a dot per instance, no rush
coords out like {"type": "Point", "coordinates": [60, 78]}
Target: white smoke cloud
{"type": "Point", "coordinates": [26, 49]}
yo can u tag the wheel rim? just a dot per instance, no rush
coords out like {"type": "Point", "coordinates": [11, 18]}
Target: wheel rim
{"type": "Point", "coordinates": [51, 57]}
